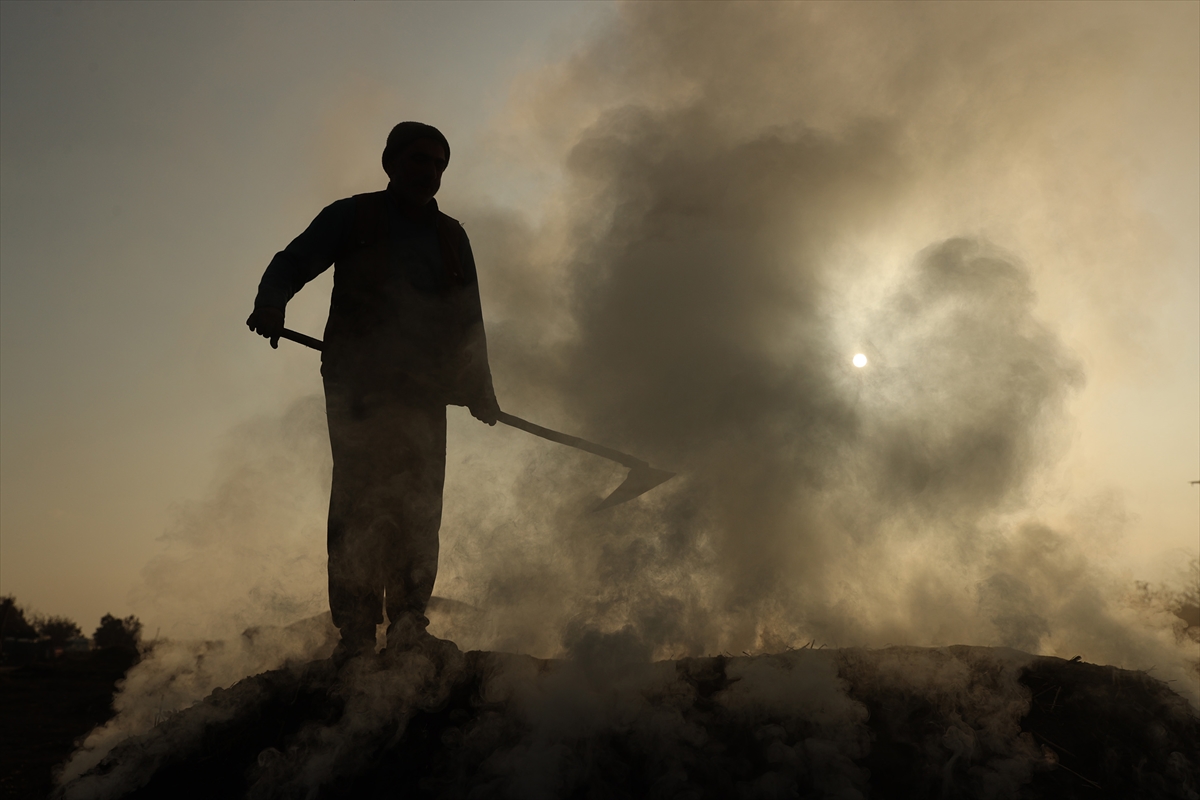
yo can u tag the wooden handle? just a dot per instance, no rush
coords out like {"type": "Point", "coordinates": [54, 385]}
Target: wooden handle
{"type": "Point", "coordinates": [571, 441]}
{"type": "Point", "coordinates": [514, 422]}
{"type": "Point", "coordinates": [300, 338]}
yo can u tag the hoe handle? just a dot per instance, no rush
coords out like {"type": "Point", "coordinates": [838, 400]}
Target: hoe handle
{"type": "Point", "coordinates": [571, 441]}
{"type": "Point", "coordinates": [300, 338]}
{"type": "Point", "coordinates": [514, 422]}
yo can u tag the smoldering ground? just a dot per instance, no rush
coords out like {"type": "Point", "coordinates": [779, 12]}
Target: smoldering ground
{"type": "Point", "coordinates": [739, 199]}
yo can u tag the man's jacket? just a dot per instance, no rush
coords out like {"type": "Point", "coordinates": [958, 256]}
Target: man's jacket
{"type": "Point", "coordinates": [405, 314]}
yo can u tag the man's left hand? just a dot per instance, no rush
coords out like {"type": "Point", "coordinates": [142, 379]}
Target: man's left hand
{"type": "Point", "coordinates": [486, 410]}
{"type": "Point", "coordinates": [267, 322]}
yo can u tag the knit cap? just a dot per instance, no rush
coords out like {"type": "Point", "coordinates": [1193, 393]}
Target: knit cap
{"type": "Point", "coordinates": [407, 132]}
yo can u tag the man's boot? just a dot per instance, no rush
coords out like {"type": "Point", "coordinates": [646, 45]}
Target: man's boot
{"type": "Point", "coordinates": [408, 632]}
{"type": "Point", "coordinates": [354, 643]}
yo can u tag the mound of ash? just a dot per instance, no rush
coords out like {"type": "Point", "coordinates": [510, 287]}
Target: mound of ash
{"type": "Point", "coordinates": [899, 722]}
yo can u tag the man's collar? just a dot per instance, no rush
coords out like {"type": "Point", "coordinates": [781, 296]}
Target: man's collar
{"type": "Point", "coordinates": [428, 209]}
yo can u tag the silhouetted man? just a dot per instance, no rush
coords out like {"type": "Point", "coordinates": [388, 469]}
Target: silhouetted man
{"type": "Point", "coordinates": [404, 340]}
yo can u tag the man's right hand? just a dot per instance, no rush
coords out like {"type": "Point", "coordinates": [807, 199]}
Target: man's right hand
{"type": "Point", "coordinates": [267, 322]}
{"type": "Point", "coordinates": [485, 409]}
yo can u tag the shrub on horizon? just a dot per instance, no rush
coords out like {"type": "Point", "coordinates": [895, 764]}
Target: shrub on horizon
{"type": "Point", "coordinates": [13, 624]}
{"type": "Point", "coordinates": [59, 630]}
{"type": "Point", "coordinates": [123, 634]}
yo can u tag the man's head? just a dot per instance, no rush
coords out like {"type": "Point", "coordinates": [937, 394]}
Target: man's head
{"type": "Point", "coordinates": [414, 159]}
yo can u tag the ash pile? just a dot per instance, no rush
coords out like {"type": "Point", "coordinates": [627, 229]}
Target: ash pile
{"type": "Point", "coordinates": [898, 722]}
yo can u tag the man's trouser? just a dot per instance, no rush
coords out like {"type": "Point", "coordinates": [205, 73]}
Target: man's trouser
{"type": "Point", "coordinates": [385, 508]}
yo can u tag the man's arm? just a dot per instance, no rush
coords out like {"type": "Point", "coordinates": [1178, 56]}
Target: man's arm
{"type": "Point", "coordinates": [309, 254]}
{"type": "Point", "coordinates": [482, 403]}
{"type": "Point", "coordinates": [477, 373]}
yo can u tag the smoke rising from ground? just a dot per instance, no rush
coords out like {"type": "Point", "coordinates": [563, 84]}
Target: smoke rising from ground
{"type": "Point", "coordinates": [737, 198]}
{"type": "Point", "coordinates": [739, 210]}
{"type": "Point", "coordinates": [256, 530]}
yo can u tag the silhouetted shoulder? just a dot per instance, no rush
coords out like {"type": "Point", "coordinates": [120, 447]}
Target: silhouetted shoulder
{"type": "Point", "coordinates": [461, 244]}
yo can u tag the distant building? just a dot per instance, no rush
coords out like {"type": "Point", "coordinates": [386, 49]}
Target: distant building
{"type": "Point", "coordinates": [77, 644]}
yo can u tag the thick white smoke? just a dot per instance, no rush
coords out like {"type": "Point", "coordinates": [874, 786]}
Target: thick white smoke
{"type": "Point", "coordinates": [746, 197]}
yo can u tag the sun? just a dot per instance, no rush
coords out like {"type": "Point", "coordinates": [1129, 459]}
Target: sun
{"type": "Point", "coordinates": [859, 360]}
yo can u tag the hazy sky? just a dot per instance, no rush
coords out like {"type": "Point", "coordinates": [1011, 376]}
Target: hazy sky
{"type": "Point", "coordinates": [155, 156]}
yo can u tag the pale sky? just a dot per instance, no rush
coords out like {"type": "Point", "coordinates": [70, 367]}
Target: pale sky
{"type": "Point", "coordinates": [155, 156]}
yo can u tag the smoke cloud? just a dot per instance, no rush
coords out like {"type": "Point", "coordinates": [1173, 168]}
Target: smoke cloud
{"type": "Point", "coordinates": [734, 199]}
{"type": "Point", "coordinates": [746, 197]}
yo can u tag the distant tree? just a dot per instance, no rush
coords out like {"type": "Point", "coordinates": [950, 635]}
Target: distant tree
{"type": "Point", "coordinates": [12, 620]}
{"type": "Point", "coordinates": [119, 633]}
{"type": "Point", "coordinates": [57, 629]}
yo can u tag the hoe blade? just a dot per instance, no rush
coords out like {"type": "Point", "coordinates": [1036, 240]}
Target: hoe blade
{"type": "Point", "coordinates": [640, 480]}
